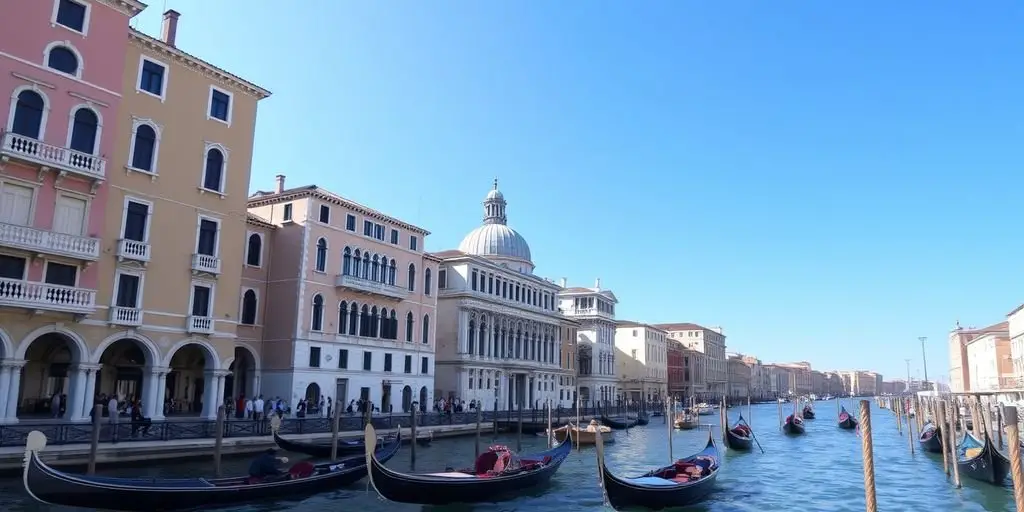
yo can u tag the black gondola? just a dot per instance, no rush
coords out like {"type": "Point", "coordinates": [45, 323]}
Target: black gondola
{"type": "Point", "coordinates": [794, 425]}
{"type": "Point", "coordinates": [740, 437]}
{"type": "Point", "coordinates": [53, 487]}
{"type": "Point", "coordinates": [497, 473]}
{"type": "Point", "coordinates": [686, 482]}
{"type": "Point", "coordinates": [846, 420]}
{"type": "Point", "coordinates": [346, 447]}
{"type": "Point", "coordinates": [642, 418]}
{"type": "Point", "coordinates": [618, 423]}
{"type": "Point", "coordinates": [981, 460]}
{"type": "Point", "coordinates": [808, 412]}
{"type": "Point", "coordinates": [931, 439]}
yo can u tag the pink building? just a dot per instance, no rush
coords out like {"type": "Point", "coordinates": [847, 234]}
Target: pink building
{"type": "Point", "coordinates": [62, 64]}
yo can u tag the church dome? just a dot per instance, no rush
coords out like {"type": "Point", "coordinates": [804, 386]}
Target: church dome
{"type": "Point", "coordinates": [494, 238]}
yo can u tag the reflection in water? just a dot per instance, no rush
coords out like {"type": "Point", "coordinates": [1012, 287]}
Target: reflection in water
{"type": "Point", "coordinates": [818, 471]}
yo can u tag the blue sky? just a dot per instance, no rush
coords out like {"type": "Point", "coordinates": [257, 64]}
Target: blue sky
{"type": "Point", "coordinates": [826, 180]}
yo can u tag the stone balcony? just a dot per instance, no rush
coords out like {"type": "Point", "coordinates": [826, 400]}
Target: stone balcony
{"type": "Point", "coordinates": [370, 287]}
{"type": "Point", "coordinates": [41, 241]}
{"type": "Point", "coordinates": [64, 160]}
{"type": "Point", "coordinates": [133, 250]}
{"type": "Point", "coordinates": [206, 264]}
{"type": "Point", "coordinates": [588, 312]}
{"type": "Point", "coordinates": [199, 325]}
{"type": "Point", "coordinates": [131, 317]}
{"type": "Point", "coordinates": [46, 297]}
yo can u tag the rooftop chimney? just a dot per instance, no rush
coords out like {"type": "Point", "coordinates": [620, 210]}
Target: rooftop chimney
{"type": "Point", "coordinates": [597, 284]}
{"type": "Point", "coordinates": [280, 184]}
{"type": "Point", "coordinates": [562, 282]}
{"type": "Point", "coordinates": [170, 28]}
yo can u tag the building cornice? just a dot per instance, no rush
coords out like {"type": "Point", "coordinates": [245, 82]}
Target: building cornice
{"type": "Point", "coordinates": [127, 7]}
{"type": "Point", "coordinates": [490, 265]}
{"type": "Point", "coordinates": [196, 64]}
{"type": "Point", "coordinates": [254, 220]}
{"type": "Point", "coordinates": [314, 192]}
{"type": "Point", "coordinates": [502, 309]}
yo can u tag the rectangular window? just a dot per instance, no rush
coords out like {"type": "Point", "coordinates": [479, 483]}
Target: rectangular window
{"type": "Point", "coordinates": [128, 287]}
{"type": "Point", "coordinates": [220, 105]}
{"type": "Point", "coordinates": [152, 77]}
{"type": "Point", "coordinates": [343, 359]}
{"type": "Point", "coordinates": [72, 14]}
{"type": "Point", "coordinates": [314, 357]}
{"type": "Point", "coordinates": [473, 279]}
{"type": "Point", "coordinates": [61, 274]}
{"type": "Point", "coordinates": [414, 243]}
{"type": "Point", "coordinates": [350, 222]}
{"type": "Point", "coordinates": [201, 300]}
{"type": "Point", "coordinates": [442, 279]}
{"type": "Point", "coordinates": [394, 236]}
{"type": "Point", "coordinates": [378, 232]}
{"type": "Point", "coordinates": [325, 214]}
{"type": "Point", "coordinates": [17, 204]}
{"type": "Point", "coordinates": [387, 362]}
{"type": "Point", "coordinates": [207, 239]}
{"type": "Point", "coordinates": [367, 360]}
{"type": "Point", "coordinates": [367, 228]}
{"type": "Point", "coordinates": [288, 212]}
{"type": "Point", "coordinates": [12, 267]}
{"type": "Point", "coordinates": [136, 218]}
{"type": "Point", "coordinates": [408, 364]}
{"type": "Point", "coordinates": [424, 365]}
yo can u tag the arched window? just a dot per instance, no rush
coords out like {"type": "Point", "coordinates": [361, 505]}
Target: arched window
{"type": "Point", "coordinates": [63, 59]}
{"type": "Point", "coordinates": [426, 328]}
{"type": "Point", "coordinates": [374, 323]}
{"type": "Point", "coordinates": [366, 265]}
{"type": "Point", "coordinates": [412, 277]}
{"type": "Point", "coordinates": [213, 173]}
{"type": "Point", "coordinates": [254, 251]}
{"type": "Point", "coordinates": [394, 324]}
{"type": "Point", "coordinates": [353, 319]}
{"type": "Point", "coordinates": [483, 337]}
{"type": "Point", "coordinates": [318, 313]}
{"type": "Point", "coordinates": [346, 261]}
{"type": "Point", "coordinates": [249, 307]}
{"type": "Point", "coordinates": [471, 335]}
{"type": "Point", "coordinates": [391, 273]}
{"type": "Point", "coordinates": [343, 317]}
{"type": "Point", "coordinates": [28, 115]}
{"type": "Point", "coordinates": [357, 263]}
{"type": "Point", "coordinates": [144, 148]}
{"type": "Point", "coordinates": [84, 129]}
{"type": "Point", "coordinates": [408, 326]}
{"type": "Point", "coordinates": [385, 324]}
{"type": "Point", "coordinates": [376, 268]}
{"type": "Point", "coordinates": [364, 321]}
{"type": "Point", "coordinates": [383, 269]}
{"type": "Point", "coordinates": [426, 281]}
{"type": "Point", "coordinates": [321, 255]}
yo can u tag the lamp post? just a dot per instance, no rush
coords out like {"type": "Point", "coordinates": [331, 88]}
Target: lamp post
{"type": "Point", "coordinates": [924, 356]}
{"type": "Point", "coordinates": [908, 374]}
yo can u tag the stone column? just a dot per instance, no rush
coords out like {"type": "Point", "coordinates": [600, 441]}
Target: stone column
{"type": "Point", "coordinates": [152, 404]}
{"type": "Point", "coordinates": [222, 378]}
{"type": "Point", "coordinates": [463, 325]}
{"type": "Point", "coordinates": [5, 383]}
{"type": "Point", "coordinates": [161, 394]}
{"type": "Point", "coordinates": [254, 388]}
{"type": "Point", "coordinates": [80, 394]}
{"type": "Point", "coordinates": [13, 390]}
{"type": "Point", "coordinates": [210, 400]}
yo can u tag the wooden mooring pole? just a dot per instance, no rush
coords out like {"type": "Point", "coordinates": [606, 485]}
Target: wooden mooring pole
{"type": "Point", "coordinates": [1013, 434]}
{"type": "Point", "coordinates": [780, 413]}
{"type": "Point", "coordinates": [334, 430]}
{"type": "Point", "coordinates": [940, 423]}
{"type": "Point", "coordinates": [867, 453]}
{"type": "Point", "coordinates": [94, 441]}
{"type": "Point", "coordinates": [950, 446]}
{"type": "Point", "coordinates": [218, 441]}
{"type": "Point", "coordinates": [910, 430]}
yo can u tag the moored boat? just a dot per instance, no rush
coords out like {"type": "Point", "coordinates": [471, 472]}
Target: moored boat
{"type": "Point", "coordinates": [586, 435]}
{"type": "Point", "coordinates": [931, 439]}
{"type": "Point", "coordinates": [686, 482]}
{"type": "Point", "coordinates": [496, 474]}
{"type": "Point", "coordinates": [980, 460]}
{"type": "Point", "coordinates": [686, 421]}
{"type": "Point", "coordinates": [808, 412]}
{"type": "Point", "coordinates": [793, 425]}
{"type": "Point", "coordinates": [618, 423]}
{"type": "Point", "coordinates": [846, 420]}
{"type": "Point", "coordinates": [740, 437]}
{"type": "Point", "coordinates": [704, 409]}
{"type": "Point", "coordinates": [642, 418]}
{"type": "Point", "coordinates": [53, 487]}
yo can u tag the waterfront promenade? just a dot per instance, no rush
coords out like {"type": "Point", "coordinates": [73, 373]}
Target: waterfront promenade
{"type": "Point", "coordinates": [820, 471]}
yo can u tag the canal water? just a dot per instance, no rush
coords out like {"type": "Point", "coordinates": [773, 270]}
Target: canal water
{"type": "Point", "coordinates": [820, 471]}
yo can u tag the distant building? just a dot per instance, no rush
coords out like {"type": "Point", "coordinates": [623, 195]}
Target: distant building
{"type": "Point", "coordinates": [710, 342]}
{"type": "Point", "coordinates": [594, 309]}
{"type": "Point", "coordinates": [642, 361]}
{"type": "Point", "coordinates": [959, 367]}
{"type": "Point", "coordinates": [989, 360]}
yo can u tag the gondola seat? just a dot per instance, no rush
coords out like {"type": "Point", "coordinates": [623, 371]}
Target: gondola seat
{"type": "Point", "coordinates": [485, 462]}
{"type": "Point", "coordinates": [304, 469]}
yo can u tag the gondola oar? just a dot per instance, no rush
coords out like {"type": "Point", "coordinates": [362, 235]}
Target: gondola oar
{"type": "Point", "coordinates": [752, 436]}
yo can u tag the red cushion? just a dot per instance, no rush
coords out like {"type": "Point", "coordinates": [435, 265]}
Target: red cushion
{"type": "Point", "coordinates": [302, 469]}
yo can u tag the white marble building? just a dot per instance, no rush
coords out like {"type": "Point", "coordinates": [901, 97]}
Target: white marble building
{"type": "Point", "coordinates": [498, 329]}
{"type": "Point", "coordinates": [642, 356]}
{"type": "Point", "coordinates": [594, 308]}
